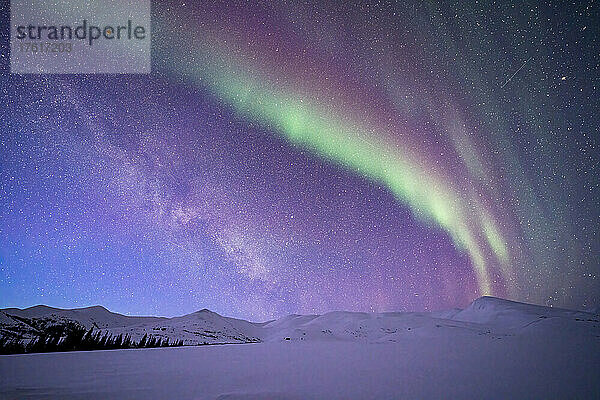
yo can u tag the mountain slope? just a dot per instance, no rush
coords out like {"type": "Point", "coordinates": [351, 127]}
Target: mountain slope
{"type": "Point", "coordinates": [196, 328]}
{"type": "Point", "coordinates": [485, 316]}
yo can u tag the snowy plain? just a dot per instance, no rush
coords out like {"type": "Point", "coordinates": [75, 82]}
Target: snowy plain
{"type": "Point", "coordinates": [494, 349]}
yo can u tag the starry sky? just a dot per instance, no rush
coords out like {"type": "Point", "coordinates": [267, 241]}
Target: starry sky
{"type": "Point", "coordinates": [299, 157]}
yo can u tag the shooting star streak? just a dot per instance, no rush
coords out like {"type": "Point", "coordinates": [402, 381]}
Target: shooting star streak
{"type": "Point", "coordinates": [516, 72]}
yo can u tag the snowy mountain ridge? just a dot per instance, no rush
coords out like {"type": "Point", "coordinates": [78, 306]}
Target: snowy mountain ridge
{"type": "Point", "coordinates": [485, 316]}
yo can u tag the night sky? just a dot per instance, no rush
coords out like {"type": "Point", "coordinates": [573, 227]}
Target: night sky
{"type": "Point", "coordinates": [298, 157]}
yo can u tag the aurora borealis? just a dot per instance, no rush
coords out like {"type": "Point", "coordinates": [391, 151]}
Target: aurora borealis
{"type": "Point", "coordinates": [296, 157]}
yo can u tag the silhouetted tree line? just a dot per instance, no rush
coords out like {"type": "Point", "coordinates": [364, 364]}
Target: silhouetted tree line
{"type": "Point", "coordinates": [78, 339]}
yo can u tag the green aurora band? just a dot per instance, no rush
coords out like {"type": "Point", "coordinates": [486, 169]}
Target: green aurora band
{"type": "Point", "coordinates": [334, 135]}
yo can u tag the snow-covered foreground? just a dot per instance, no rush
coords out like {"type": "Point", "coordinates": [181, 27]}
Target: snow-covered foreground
{"type": "Point", "coordinates": [417, 368]}
{"type": "Point", "coordinates": [493, 349]}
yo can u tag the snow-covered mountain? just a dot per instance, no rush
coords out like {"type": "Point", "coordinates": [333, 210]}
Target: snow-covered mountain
{"type": "Point", "coordinates": [493, 349]}
{"type": "Point", "coordinates": [201, 327]}
{"type": "Point", "coordinates": [485, 316]}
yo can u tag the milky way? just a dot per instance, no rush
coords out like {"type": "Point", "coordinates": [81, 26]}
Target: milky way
{"type": "Point", "coordinates": [305, 157]}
